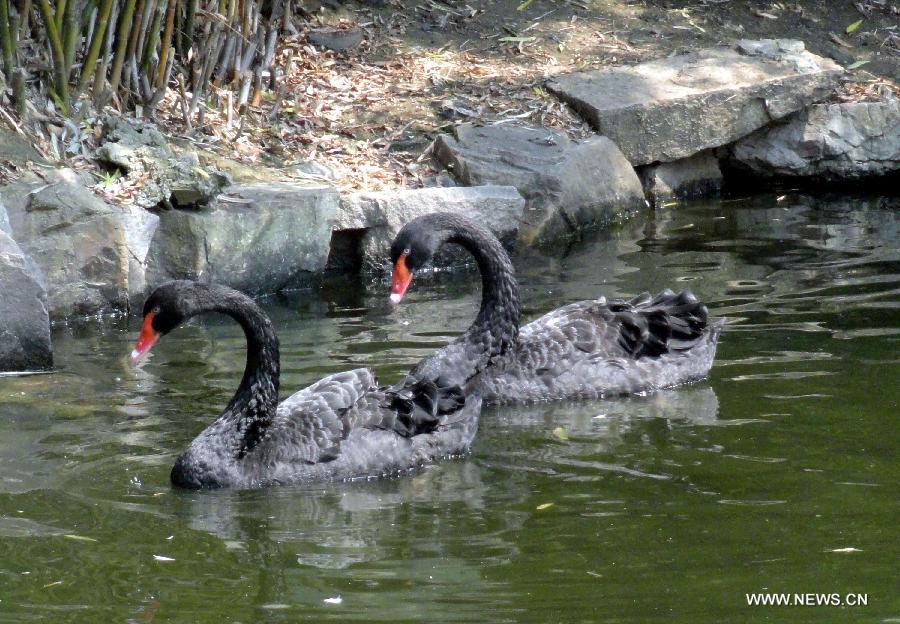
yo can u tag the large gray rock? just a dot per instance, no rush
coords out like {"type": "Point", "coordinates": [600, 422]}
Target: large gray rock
{"type": "Point", "coordinates": [567, 185]}
{"type": "Point", "coordinates": [139, 226]}
{"type": "Point", "coordinates": [15, 148]}
{"type": "Point", "coordinates": [828, 141]}
{"type": "Point", "coordinates": [24, 321]}
{"type": "Point", "coordinates": [690, 177]}
{"type": "Point", "coordinates": [143, 155]}
{"type": "Point", "coordinates": [257, 238]}
{"type": "Point", "coordinates": [671, 108]}
{"type": "Point", "coordinates": [370, 221]}
{"type": "Point", "coordinates": [75, 238]}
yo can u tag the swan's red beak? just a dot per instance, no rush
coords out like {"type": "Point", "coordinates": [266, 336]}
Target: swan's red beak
{"type": "Point", "coordinates": [400, 280]}
{"type": "Point", "coordinates": [146, 340]}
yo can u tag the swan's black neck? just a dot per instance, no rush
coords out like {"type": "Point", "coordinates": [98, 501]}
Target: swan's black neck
{"type": "Point", "coordinates": [500, 312]}
{"type": "Point", "coordinates": [496, 328]}
{"type": "Point", "coordinates": [253, 406]}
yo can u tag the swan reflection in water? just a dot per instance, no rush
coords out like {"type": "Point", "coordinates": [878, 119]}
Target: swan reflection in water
{"type": "Point", "coordinates": [334, 526]}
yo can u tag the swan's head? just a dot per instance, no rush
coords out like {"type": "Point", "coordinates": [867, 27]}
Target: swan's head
{"type": "Point", "coordinates": [414, 246]}
{"type": "Point", "coordinates": [165, 309]}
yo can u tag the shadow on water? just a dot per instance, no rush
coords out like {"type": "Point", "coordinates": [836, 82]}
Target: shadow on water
{"type": "Point", "coordinates": [775, 474]}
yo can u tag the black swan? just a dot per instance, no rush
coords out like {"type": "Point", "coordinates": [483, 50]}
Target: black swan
{"type": "Point", "coordinates": [587, 349]}
{"type": "Point", "coordinates": [341, 427]}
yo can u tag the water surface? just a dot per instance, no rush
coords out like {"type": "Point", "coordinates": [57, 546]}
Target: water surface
{"type": "Point", "coordinates": [779, 473]}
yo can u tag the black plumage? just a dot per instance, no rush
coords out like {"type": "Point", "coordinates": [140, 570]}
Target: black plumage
{"type": "Point", "coordinates": [582, 350]}
{"type": "Point", "coordinates": [342, 427]}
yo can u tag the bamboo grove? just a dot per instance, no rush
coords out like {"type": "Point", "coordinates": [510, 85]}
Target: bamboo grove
{"type": "Point", "coordinates": [128, 52]}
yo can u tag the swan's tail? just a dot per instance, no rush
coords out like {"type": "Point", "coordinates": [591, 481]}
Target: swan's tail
{"type": "Point", "coordinates": [652, 326]}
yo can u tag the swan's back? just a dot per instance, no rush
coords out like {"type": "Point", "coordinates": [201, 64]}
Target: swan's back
{"type": "Point", "coordinates": [345, 427]}
{"type": "Point", "coordinates": [606, 347]}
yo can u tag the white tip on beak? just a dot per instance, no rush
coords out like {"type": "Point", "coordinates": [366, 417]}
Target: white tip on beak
{"type": "Point", "coordinates": [135, 355]}
{"type": "Point", "coordinates": [396, 297]}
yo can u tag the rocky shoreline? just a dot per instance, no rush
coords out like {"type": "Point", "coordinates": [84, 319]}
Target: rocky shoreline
{"type": "Point", "coordinates": [665, 131]}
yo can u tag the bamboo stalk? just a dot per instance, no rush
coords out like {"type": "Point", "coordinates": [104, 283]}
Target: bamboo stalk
{"type": "Point", "coordinates": [162, 69]}
{"type": "Point", "coordinates": [122, 42]}
{"type": "Point", "coordinates": [207, 69]}
{"type": "Point", "coordinates": [70, 35]}
{"type": "Point", "coordinates": [161, 90]}
{"type": "Point", "coordinates": [184, 106]}
{"type": "Point", "coordinates": [61, 86]}
{"type": "Point", "coordinates": [186, 36]}
{"type": "Point", "coordinates": [60, 9]}
{"type": "Point", "coordinates": [87, 69]}
{"type": "Point", "coordinates": [91, 24]}
{"type": "Point", "coordinates": [152, 39]}
{"type": "Point", "coordinates": [24, 15]}
{"type": "Point", "coordinates": [7, 36]}
{"type": "Point", "coordinates": [100, 71]}
{"type": "Point", "coordinates": [18, 87]}
{"type": "Point", "coordinates": [132, 44]}
{"type": "Point", "coordinates": [143, 31]}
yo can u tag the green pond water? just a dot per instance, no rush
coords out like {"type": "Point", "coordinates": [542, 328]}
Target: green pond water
{"type": "Point", "coordinates": [777, 474]}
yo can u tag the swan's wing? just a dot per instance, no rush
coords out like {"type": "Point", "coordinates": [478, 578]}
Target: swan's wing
{"type": "Point", "coordinates": [612, 329]}
{"type": "Point", "coordinates": [312, 422]}
{"type": "Point", "coordinates": [650, 327]}
{"type": "Point", "coordinates": [421, 406]}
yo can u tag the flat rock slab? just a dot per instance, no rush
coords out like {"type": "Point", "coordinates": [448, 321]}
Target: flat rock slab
{"type": "Point", "coordinates": [671, 108]}
{"type": "Point", "coordinates": [567, 185]}
{"type": "Point", "coordinates": [828, 141]}
{"type": "Point", "coordinates": [257, 238]}
{"type": "Point", "coordinates": [370, 221]}
{"type": "Point", "coordinates": [24, 320]}
{"type": "Point", "coordinates": [75, 238]}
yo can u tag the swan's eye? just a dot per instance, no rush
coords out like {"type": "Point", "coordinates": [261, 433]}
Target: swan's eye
{"type": "Point", "coordinates": [155, 310]}
{"type": "Point", "coordinates": [405, 252]}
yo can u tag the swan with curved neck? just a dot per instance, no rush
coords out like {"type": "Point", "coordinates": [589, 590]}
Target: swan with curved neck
{"type": "Point", "coordinates": [587, 349]}
{"type": "Point", "coordinates": [342, 427]}
{"type": "Point", "coordinates": [496, 327]}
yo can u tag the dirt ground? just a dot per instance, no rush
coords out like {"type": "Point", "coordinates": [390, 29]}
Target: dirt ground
{"type": "Point", "coordinates": [368, 114]}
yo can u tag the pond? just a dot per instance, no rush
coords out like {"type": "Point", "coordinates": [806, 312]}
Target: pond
{"type": "Point", "coordinates": [777, 474]}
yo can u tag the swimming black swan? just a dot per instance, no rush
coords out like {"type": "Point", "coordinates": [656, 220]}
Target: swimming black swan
{"type": "Point", "coordinates": [341, 427]}
{"type": "Point", "coordinates": [587, 349]}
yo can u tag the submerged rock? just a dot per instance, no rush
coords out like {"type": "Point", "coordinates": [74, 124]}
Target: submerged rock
{"type": "Point", "coordinates": [687, 178]}
{"type": "Point", "coordinates": [257, 238]}
{"type": "Point", "coordinates": [75, 238]}
{"type": "Point", "coordinates": [24, 320]}
{"type": "Point", "coordinates": [670, 108]}
{"type": "Point", "coordinates": [368, 222]}
{"type": "Point", "coordinates": [828, 141]}
{"type": "Point", "coordinates": [567, 185]}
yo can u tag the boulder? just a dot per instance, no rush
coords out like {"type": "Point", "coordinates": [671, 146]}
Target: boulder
{"type": "Point", "coordinates": [75, 238]}
{"type": "Point", "coordinates": [687, 178]}
{"type": "Point", "coordinates": [336, 39]}
{"type": "Point", "coordinates": [258, 238]}
{"type": "Point", "coordinates": [827, 141]}
{"type": "Point", "coordinates": [139, 226]}
{"type": "Point", "coordinates": [161, 177]}
{"type": "Point", "coordinates": [567, 185]}
{"type": "Point", "coordinates": [670, 108]}
{"type": "Point", "coordinates": [24, 321]}
{"type": "Point", "coordinates": [368, 222]}
{"type": "Point", "coordinates": [17, 149]}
